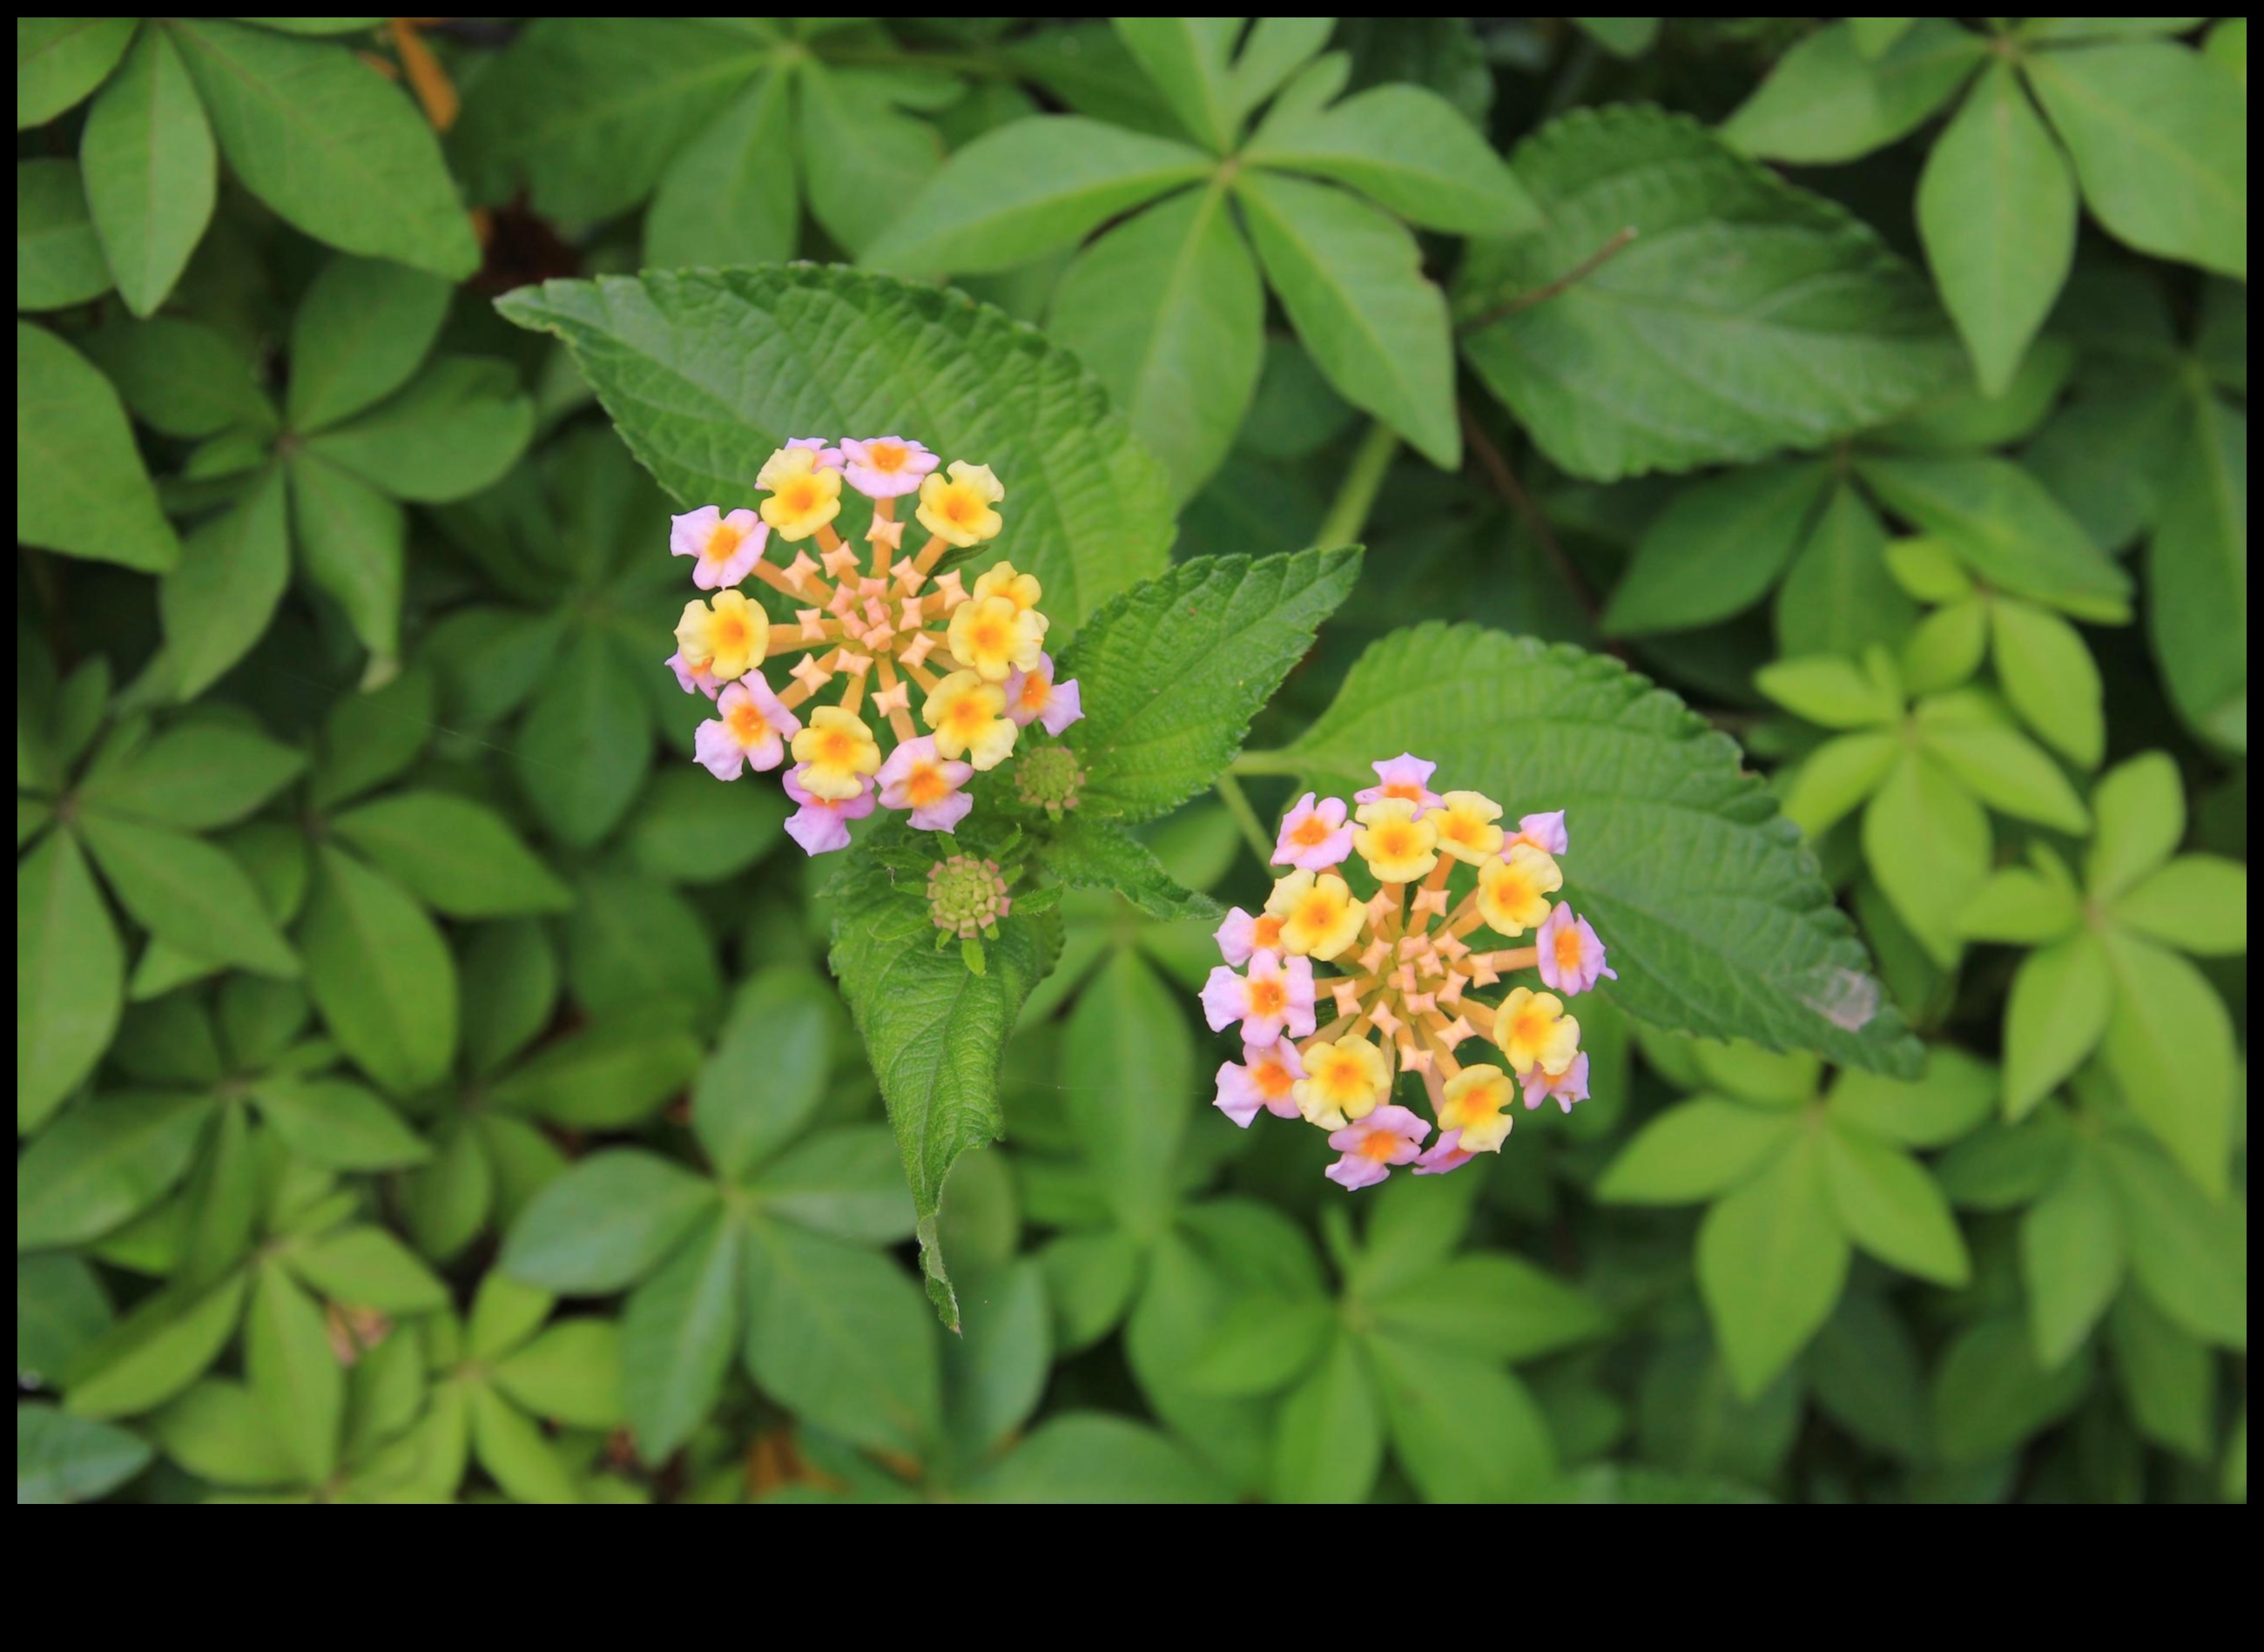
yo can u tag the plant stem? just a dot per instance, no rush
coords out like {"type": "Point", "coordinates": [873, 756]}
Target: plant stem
{"type": "Point", "coordinates": [1573, 277]}
{"type": "Point", "coordinates": [1497, 467]}
{"type": "Point", "coordinates": [1237, 804]}
{"type": "Point", "coordinates": [1348, 512]}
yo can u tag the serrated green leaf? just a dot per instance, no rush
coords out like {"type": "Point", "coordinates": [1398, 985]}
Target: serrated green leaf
{"type": "Point", "coordinates": [689, 362]}
{"type": "Point", "coordinates": [330, 144]}
{"type": "Point", "coordinates": [81, 487]}
{"type": "Point", "coordinates": [1829, 99]}
{"type": "Point", "coordinates": [1542, 727]}
{"type": "Point", "coordinates": [151, 171]}
{"type": "Point", "coordinates": [1745, 316]}
{"type": "Point", "coordinates": [1172, 672]}
{"type": "Point", "coordinates": [1094, 854]}
{"type": "Point", "coordinates": [71, 977]}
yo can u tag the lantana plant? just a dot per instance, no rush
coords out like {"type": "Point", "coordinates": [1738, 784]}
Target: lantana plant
{"type": "Point", "coordinates": [978, 656]}
{"type": "Point", "coordinates": [1404, 972]}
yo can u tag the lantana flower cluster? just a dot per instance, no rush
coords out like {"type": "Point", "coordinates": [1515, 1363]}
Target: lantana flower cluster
{"type": "Point", "coordinates": [887, 631]}
{"type": "Point", "coordinates": [1402, 967]}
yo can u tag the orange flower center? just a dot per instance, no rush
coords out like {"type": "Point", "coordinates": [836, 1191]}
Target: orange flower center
{"type": "Point", "coordinates": [836, 745]}
{"type": "Point", "coordinates": [1273, 1079]}
{"type": "Point", "coordinates": [799, 496]}
{"type": "Point", "coordinates": [1568, 948]}
{"type": "Point", "coordinates": [960, 507]}
{"type": "Point", "coordinates": [1315, 910]}
{"type": "Point", "coordinates": [730, 632]}
{"type": "Point", "coordinates": [748, 722]}
{"type": "Point", "coordinates": [1311, 833]}
{"type": "Point", "coordinates": [989, 635]}
{"type": "Point", "coordinates": [1268, 997]}
{"type": "Point", "coordinates": [886, 456]}
{"type": "Point", "coordinates": [720, 543]}
{"type": "Point", "coordinates": [966, 717]}
{"type": "Point", "coordinates": [1529, 1026]}
{"type": "Point", "coordinates": [1379, 1144]}
{"type": "Point", "coordinates": [1403, 788]}
{"type": "Point", "coordinates": [1036, 691]}
{"type": "Point", "coordinates": [1395, 838]}
{"type": "Point", "coordinates": [1266, 931]}
{"type": "Point", "coordinates": [926, 785]}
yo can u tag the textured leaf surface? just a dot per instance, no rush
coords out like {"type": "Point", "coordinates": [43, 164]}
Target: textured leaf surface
{"type": "Point", "coordinates": [1717, 919]}
{"type": "Point", "coordinates": [707, 371]}
{"type": "Point", "coordinates": [1746, 317]}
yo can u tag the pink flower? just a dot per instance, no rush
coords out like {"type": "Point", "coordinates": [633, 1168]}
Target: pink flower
{"type": "Point", "coordinates": [1405, 775]}
{"type": "Point", "coordinates": [1264, 1079]}
{"type": "Point", "coordinates": [1035, 696]}
{"type": "Point", "coordinates": [1271, 998]}
{"type": "Point", "coordinates": [821, 826]}
{"type": "Point", "coordinates": [1386, 1137]}
{"type": "Point", "coordinates": [1444, 1155]}
{"type": "Point", "coordinates": [691, 678]}
{"type": "Point", "coordinates": [915, 778]}
{"type": "Point", "coordinates": [827, 459]}
{"type": "Point", "coordinates": [1568, 1087]}
{"type": "Point", "coordinates": [724, 549]}
{"type": "Point", "coordinates": [752, 731]}
{"type": "Point", "coordinates": [1315, 835]}
{"type": "Point", "coordinates": [1544, 832]}
{"type": "Point", "coordinates": [884, 467]}
{"type": "Point", "coordinates": [1571, 956]}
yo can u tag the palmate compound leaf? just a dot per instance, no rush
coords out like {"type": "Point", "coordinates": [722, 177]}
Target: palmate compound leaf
{"type": "Point", "coordinates": [1716, 917]}
{"type": "Point", "coordinates": [706, 372]}
{"type": "Point", "coordinates": [1745, 315]}
{"type": "Point", "coordinates": [934, 1030]}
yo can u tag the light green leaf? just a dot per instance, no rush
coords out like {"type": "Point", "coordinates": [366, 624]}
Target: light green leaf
{"type": "Point", "coordinates": [606, 1223]}
{"type": "Point", "coordinates": [728, 196]}
{"type": "Point", "coordinates": [516, 1454]}
{"type": "Point", "coordinates": [1187, 59]}
{"type": "Point", "coordinates": [2197, 579]}
{"type": "Point", "coordinates": [294, 1377]}
{"type": "Point", "coordinates": [676, 1338]}
{"type": "Point", "coordinates": [1772, 1259]}
{"type": "Point", "coordinates": [64, 1459]}
{"type": "Point", "coordinates": [2198, 904]}
{"type": "Point", "coordinates": [1769, 959]}
{"type": "Point", "coordinates": [1927, 841]}
{"type": "Point", "coordinates": [1891, 1206]}
{"type": "Point", "coordinates": [2189, 1254]}
{"type": "Point", "coordinates": [1409, 150]}
{"type": "Point", "coordinates": [587, 111]}
{"type": "Point", "coordinates": [1954, 1095]}
{"type": "Point", "coordinates": [689, 363]}
{"type": "Point", "coordinates": [2023, 908]}
{"type": "Point", "coordinates": [1838, 596]}
{"type": "Point", "coordinates": [2159, 138]}
{"type": "Point", "coordinates": [337, 1125]}
{"type": "Point", "coordinates": [1350, 280]}
{"type": "Point", "coordinates": [329, 143]}
{"type": "Point", "coordinates": [1715, 549]}
{"type": "Point", "coordinates": [71, 977]}
{"type": "Point", "coordinates": [1693, 1151]}
{"type": "Point", "coordinates": [155, 1351]}
{"type": "Point", "coordinates": [2170, 1046]}
{"type": "Point", "coordinates": [587, 742]}
{"type": "Point", "coordinates": [1829, 99]}
{"type": "Point", "coordinates": [59, 60]}
{"type": "Point", "coordinates": [1028, 189]}
{"type": "Point", "coordinates": [1745, 318]}
{"type": "Point", "coordinates": [59, 259]}
{"type": "Point", "coordinates": [103, 1163]}
{"type": "Point", "coordinates": [1946, 648]}
{"type": "Point", "coordinates": [1329, 1442]}
{"type": "Point", "coordinates": [80, 485]}
{"type": "Point", "coordinates": [839, 1337]}
{"type": "Point", "coordinates": [2168, 1377]}
{"type": "Point", "coordinates": [1995, 208]}
{"type": "Point", "coordinates": [380, 974]}
{"type": "Point", "coordinates": [353, 545]}
{"type": "Point", "coordinates": [2005, 769]}
{"type": "Point", "coordinates": [453, 854]}
{"type": "Point", "coordinates": [1168, 311]}
{"type": "Point", "coordinates": [863, 159]}
{"type": "Point", "coordinates": [1836, 777]}
{"type": "Point", "coordinates": [2141, 810]}
{"type": "Point", "coordinates": [359, 335]}
{"type": "Point", "coordinates": [1172, 672]}
{"type": "Point", "coordinates": [1998, 518]}
{"type": "Point", "coordinates": [2055, 1018]}
{"type": "Point", "coordinates": [367, 1267]}
{"type": "Point", "coordinates": [2072, 1257]}
{"type": "Point", "coordinates": [218, 602]}
{"type": "Point", "coordinates": [935, 1032]}
{"type": "Point", "coordinates": [151, 173]}
{"type": "Point", "coordinates": [189, 894]}
{"type": "Point", "coordinates": [2049, 676]}
{"type": "Point", "coordinates": [1090, 1457]}
{"type": "Point", "coordinates": [457, 427]}
{"type": "Point", "coordinates": [1463, 1431]}
{"type": "Point", "coordinates": [572, 1372]}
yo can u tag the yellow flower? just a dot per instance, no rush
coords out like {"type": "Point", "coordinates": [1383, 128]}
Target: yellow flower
{"type": "Point", "coordinates": [1398, 848]}
{"type": "Point", "coordinates": [724, 641]}
{"type": "Point", "coordinates": [1477, 1103]}
{"type": "Point", "coordinates": [1001, 580]}
{"type": "Point", "coordinates": [969, 719]}
{"type": "Point", "coordinates": [803, 498]}
{"type": "Point", "coordinates": [836, 752]}
{"type": "Point", "coordinates": [1534, 1031]}
{"type": "Point", "coordinates": [1466, 826]}
{"type": "Point", "coordinates": [1317, 914]}
{"type": "Point", "coordinates": [1343, 1081]}
{"type": "Point", "coordinates": [957, 510]}
{"type": "Point", "coordinates": [993, 638]}
{"type": "Point", "coordinates": [1514, 891]}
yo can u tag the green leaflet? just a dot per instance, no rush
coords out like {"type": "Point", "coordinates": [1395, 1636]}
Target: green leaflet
{"type": "Point", "coordinates": [706, 372]}
{"type": "Point", "coordinates": [1647, 788]}
{"type": "Point", "coordinates": [151, 173]}
{"type": "Point", "coordinates": [1172, 672]}
{"type": "Point", "coordinates": [935, 1032]}
{"type": "Point", "coordinates": [1832, 98]}
{"type": "Point", "coordinates": [2197, 579]}
{"type": "Point", "coordinates": [1745, 316]}
{"type": "Point", "coordinates": [81, 488]}
{"type": "Point", "coordinates": [70, 974]}
{"type": "Point", "coordinates": [59, 259]}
